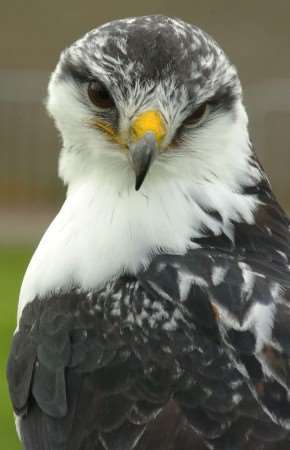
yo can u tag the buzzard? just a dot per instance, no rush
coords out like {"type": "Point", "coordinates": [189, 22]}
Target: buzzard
{"type": "Point", "coordinates": [155, 312]}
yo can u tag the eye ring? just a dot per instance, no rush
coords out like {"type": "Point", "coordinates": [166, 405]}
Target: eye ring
{"type": "Point", "coordinates": [99, 95]}
{"type": "Point", "coordinates": [197, 116]}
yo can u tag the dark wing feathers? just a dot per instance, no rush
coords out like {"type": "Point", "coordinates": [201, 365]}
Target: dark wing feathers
{"type": "Point", "coordinates": [195, 348]}
{"type": "Point", "coordinates": [98, 396]}
{"type": "Point", "coordinates": [20, 371]}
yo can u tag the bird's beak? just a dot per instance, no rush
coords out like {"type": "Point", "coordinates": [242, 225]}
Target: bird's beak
{"type": "Point", "coordinates": [146, 134]}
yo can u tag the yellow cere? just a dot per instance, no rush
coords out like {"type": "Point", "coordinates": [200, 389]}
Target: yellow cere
{"type": "Point", "coordinates": [148, 121]}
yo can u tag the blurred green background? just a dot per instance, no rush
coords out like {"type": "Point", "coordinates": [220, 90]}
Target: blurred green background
{"type": "Point", "coordinates": [256, 36]}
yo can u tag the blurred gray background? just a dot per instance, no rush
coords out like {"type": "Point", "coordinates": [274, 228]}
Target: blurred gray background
{"type": "Point", "coordinates": [255, 34]}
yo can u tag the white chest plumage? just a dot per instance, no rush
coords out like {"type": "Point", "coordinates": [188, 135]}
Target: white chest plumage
{"type": "Point", "coordinates": [102, 231]}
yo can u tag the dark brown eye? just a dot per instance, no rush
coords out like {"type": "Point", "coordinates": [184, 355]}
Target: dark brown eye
{"type": "Point", "coordinates": [99, 95]}
{"type": "Point", "coordinates": [197, 116]}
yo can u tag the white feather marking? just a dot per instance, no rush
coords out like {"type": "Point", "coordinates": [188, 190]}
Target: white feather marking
{"type": "Point", "coordinates": [186, 280]}
{"type": "Point", "coordinates": [218, 275]}
{"type": "Point", "coordinates": [262, 317]}
{"type": "Point", "coordinates": [259, 319]}
{"type": "Point", "coordinates": [18, 420]}
{"type": "Point", "coordinates": [249, 279]}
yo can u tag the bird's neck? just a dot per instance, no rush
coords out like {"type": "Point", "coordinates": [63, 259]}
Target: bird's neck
{"type": "Point", "coordinates": [104, 230]}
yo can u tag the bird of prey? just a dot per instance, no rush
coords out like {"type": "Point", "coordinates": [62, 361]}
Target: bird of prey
{"type": "Point", "coordinates": [155, 312]}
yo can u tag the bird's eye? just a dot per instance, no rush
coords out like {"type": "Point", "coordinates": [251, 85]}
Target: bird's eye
{"type": "Point", "coordinates": [99, 95]}
{"type": "Point", "coordinates": [197, 116]}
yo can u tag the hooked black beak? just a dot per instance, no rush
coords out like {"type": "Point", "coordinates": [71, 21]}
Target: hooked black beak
{"type": "Point", "coordinates": [142, 154]}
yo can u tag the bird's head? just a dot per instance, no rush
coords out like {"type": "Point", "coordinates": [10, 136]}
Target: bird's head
{"type": "Point", "coordinates": [146, 100]}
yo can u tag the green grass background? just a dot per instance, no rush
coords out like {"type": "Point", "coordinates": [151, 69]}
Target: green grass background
{"type": "Point", "coordinates": [13, 262]}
